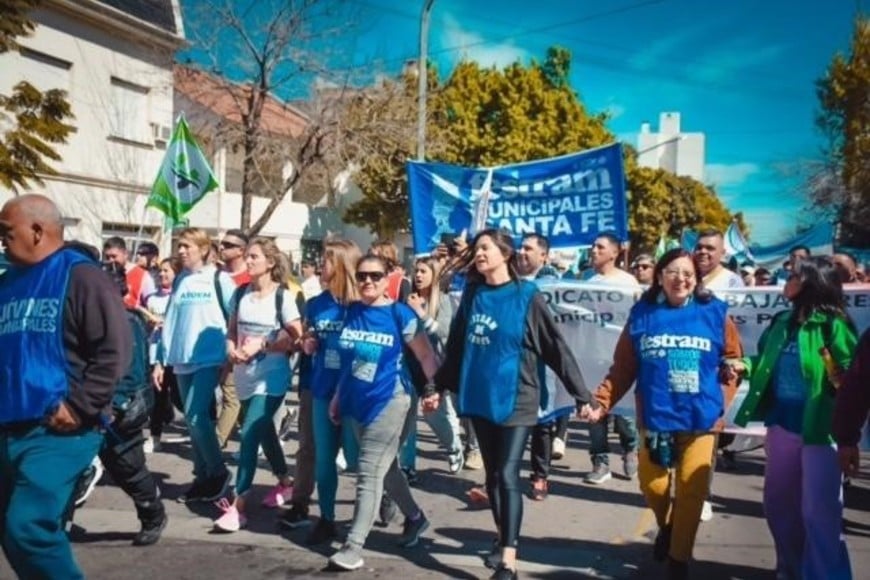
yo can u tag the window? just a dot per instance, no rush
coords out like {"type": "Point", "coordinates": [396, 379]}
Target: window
{"type": "Point", "coordinates": [128, 112]}
{"type": "Point", "coordinates": [46, 72]}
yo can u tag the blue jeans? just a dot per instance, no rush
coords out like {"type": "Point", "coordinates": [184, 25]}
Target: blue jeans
{"type": "Point", "coordinates": [444, 423]}
{"type": "Point", "coordinates": [327, 439]}
{"type": "Point", "coordinates": [197, 394]}
{"type": "Point", "coordinates": [258, 429]}
{"type": "Point", "coordinates": [38, 470]}
{"type": "Point", "coordinates": [599, 448]}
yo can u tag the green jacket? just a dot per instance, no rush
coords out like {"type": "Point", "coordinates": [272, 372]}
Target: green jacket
{"type": "Point", "coordinates": [811, 336]}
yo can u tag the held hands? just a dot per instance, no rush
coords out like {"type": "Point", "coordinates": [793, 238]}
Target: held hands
{"type": "Point", "coordinates": [251, 348]}
{"type": "Point", "coordinates": [309, 343]}
{"type": "Point", "coordinates": [587, 413]}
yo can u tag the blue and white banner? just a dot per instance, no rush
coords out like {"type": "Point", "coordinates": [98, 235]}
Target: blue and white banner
{"type": "Point", "coordinates": [569, 199]}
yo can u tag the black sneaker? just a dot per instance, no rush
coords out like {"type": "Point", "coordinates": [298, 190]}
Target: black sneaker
{"type": "Point", "coordinates": [87, 482]}
{"type": "Point", "coordinates": [412, 530]}
{"type": "Point", "coordinates": [295, 517]}
{"type": "Point", "coordinates": [388, 510]}
{"type": "Point", "coordinates": [324, 531]}
{"type": "Point", "coordinates": [215, 487]}
{"type": "Point", "coordinates": [504, 573]}
{"type": "Point", "coordinates": [150, 532]}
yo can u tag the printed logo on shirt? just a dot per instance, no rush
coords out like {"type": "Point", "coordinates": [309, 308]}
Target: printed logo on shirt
{"type": "Point", "coordinates": [365, 361]}
{"type": "Point", "coordinates": [683, 355]}
{"type": "Point", "coordinates": [353, 335]}
{"type": "Point", "coordinates": [481, 326]}
{"type": "Point", "coordinates": [328, 325]}
{"type": "Point", "coordinates": [29, 315]}
{"type": "Point", "coordinates": [191, 297]}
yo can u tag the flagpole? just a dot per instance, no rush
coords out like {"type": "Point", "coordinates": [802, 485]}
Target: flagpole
{"type": "Point", "coordinates": [141, 227]}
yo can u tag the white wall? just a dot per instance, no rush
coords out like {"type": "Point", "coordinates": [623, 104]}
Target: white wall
{"type": "Point", "coordinates": [102, 178]}
{"type": "Point", "coordinates": [671, 149]}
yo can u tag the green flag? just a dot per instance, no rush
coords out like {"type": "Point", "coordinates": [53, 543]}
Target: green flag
{"type": "Point", "coordinates": [184, 178]}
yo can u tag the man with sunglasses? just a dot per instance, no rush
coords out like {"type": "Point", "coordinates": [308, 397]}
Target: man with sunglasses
{"type": "Point", "coordinates": [232, 256]}
{"type": "Point", "coordinates": [642, 268]}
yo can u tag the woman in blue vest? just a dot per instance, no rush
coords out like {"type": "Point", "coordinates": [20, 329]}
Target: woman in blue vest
{"type": "Point", "coordinates": [500, 340]}
{"type": "Point", "coordinates": [675, 339]}
{"type": "Point", "coordinates": [193, 342]}
{"type": "Point", "coordinates": [374, 393]}
{"type": "Point", "coordinates": [324, 318]}
{"type": "Point", "coordinates": [793, 390]}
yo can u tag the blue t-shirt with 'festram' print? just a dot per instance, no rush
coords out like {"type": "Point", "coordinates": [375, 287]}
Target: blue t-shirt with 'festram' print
{"type": "Point", "coordinates": [326, 317]}
{"type": "Point", "coordinates": [370, 346]}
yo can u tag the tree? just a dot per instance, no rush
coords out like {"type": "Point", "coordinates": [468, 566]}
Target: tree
{"type": "Point", "coordinates": [843, 181]}
{"type": "Point", "coordinates": [36, 120]}
{"type": "Point", "coordinates": [261, 49]}
{"type": "Point", "coordinates": [486, 116]}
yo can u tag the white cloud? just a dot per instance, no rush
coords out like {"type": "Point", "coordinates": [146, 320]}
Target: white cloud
{"type": "Point", "coordinates": [729, 175]}
{"type": "Point", "coordinates": [472, 46]}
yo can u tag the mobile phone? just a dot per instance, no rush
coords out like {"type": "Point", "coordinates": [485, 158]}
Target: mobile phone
{"type": "Point", "coordinates": [448, 239]}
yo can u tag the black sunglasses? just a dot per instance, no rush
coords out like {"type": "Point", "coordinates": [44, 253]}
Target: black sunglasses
{"type": "Point", "coordinates": [374, 276]}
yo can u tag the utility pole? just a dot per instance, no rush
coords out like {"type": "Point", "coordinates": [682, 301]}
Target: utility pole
{"type": "Point", "coordinates": [422, 80]}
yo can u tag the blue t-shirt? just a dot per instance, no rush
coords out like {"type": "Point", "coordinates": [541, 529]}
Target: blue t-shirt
{"type": "Point", "coordinates": [326, 317]}
{"type": "Point", "coordinates": [789, 391]}
{"type": "Point", "coordinates": [371, 345]}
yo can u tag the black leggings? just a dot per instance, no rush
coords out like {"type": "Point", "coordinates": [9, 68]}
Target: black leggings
{"type": "Point", "coordinates": [502, 450]}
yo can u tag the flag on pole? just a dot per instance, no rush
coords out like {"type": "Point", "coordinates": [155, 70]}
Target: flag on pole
{"type": "Point", "coordinates": [481, 210]}
{"type": "Point", "coordinates": [665, 245]}
{"type": "Point", "coordinates": [185, 176]}
{"type": "Point", "coordinates": [735, 244]}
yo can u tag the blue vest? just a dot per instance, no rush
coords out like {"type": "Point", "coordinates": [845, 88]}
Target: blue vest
{"type": "Point", "coordinates": [493, 341]}
{"type": "Point", "coordinates": [679, 350]}
{"type": "Point", "coordinates": [33, 361]}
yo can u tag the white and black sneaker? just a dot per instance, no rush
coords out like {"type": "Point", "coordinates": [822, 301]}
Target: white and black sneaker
{"type": "Point", "coordinates": [88, 481]}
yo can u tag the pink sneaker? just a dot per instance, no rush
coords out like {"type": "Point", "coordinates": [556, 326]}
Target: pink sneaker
{"type": "Point", "coordinates": [278, 496]}
{"type": "Point", "coordinates": [232, 519]}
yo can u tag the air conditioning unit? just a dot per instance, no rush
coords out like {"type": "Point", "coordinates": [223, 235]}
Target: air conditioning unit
{"type": "Point", "coordinates": [161, 133]}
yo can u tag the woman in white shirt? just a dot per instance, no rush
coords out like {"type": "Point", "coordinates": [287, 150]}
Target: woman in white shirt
{"type": "Point", "coordinates": [263, 326]}
{"type": "Point", "coordinates": [155, 311]}
{"type": "Point", "coordinates": [193, 344]}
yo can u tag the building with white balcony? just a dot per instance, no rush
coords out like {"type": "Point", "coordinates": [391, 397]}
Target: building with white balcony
{"type": "Point", "coordinates": [114, 58]}
{"type": "Point", "coordinates": [671, 149]}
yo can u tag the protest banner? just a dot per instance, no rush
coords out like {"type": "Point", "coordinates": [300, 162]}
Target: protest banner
{"type": "Point", "coordinates": [592, 316]}
{"type": "Point", "coordinates": [569, 199]}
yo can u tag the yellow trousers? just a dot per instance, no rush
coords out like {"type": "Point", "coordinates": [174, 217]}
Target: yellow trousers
{"type": "Point", "coordinates": [690, 477]}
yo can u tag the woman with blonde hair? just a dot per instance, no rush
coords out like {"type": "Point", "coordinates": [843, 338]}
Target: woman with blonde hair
{"type": "Point", "coordinates": [193, 343]}
{"type": "Point", "coordinates": [263, 325]}
{"type": "Point", "coordinates": [324, 319]}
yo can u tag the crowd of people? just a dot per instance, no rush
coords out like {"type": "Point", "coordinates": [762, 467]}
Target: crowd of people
{"type": "Point", "coordinates": [93, 359]}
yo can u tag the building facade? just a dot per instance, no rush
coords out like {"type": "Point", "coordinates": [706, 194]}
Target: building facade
{"type": "Point", "coordinates": [671, 149]}
{"type": "Point", "coordinates": [114, 58]}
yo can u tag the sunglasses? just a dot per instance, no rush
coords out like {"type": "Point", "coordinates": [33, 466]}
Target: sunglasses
{"type": "Point", "coordinates": [374, 276]}
{"type": "Point", "coordinates": [229, 246]}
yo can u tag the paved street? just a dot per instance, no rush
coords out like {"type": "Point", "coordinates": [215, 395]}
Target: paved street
{"type": "Point", "coordinates": [580, 531]}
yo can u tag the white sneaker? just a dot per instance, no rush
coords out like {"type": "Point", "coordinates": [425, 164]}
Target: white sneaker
{"type": "Point", "coordinates": [88, 481]}
{"type": "Point", "coordinates": [707, 512]}
{"type": "Point", "coordinates": [558, 451]}
{"type": "Point", "coordinates": [148, 445]}
{"type": "Point", "coordinates": [340, 461]}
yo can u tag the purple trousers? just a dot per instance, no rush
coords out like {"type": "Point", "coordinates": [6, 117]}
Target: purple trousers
{"type": "Point", "coordinates": [803, 504]}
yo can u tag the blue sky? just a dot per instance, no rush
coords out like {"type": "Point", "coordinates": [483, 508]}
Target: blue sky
{"type": "Point", "coordinates": [741, 71]}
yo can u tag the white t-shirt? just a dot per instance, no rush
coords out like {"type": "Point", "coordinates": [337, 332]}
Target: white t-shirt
{"type": "Point", "coordinates": [616, 277]}
{"type": "Point", "coordinates": [156, 304]}
{"type": "Point", "coordinates": [269, 373]}
{"type": "Point", "coordinates": [723, 280]}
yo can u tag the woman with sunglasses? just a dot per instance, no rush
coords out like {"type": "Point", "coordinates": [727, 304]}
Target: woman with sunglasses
{"type": "Point", "coordinates": [435, 312]}
{"type": "Point", "coordinates": [673, 343]}
{"type": "Point", "coordinates": [325, 315]}
{"type": "Point", "coordinates": [374, 392]}
{"type": "Point", "coordinates": [501, 338]}
{"type": "Point", "coordinates": [793, 389]}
